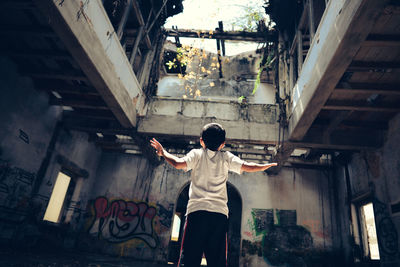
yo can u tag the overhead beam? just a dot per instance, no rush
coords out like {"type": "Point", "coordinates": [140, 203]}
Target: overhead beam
{"type": "Point", "coordinates": [108, 70]}
{"type": "Point", "coordinates": [77, 114]}
{"type": "Point", "coordinates": [227, 35]}
{"type": "Point", "coordinates": [334, 123]}
{"type": "Point", "coordinates": [27, 30]}
{"type": "Point", "coordinates": [342, 30]}
{"type": "Point", "coordinates": [141, 21]}
{"type": "Point", "coordinates": [342, 140]}
{"type": "Point", "coordinates": [367, 66]}
{"type": "Point", "coordinates": [39, 53]}
{"type": "Point", "coordinates": [78, 103]}
{"type": "Point", "coordinates": [56, 74]}
{"type": "Point", "coordinates": [382, 40]}
{"type": "Point", "coordinates": [368, 88]}
{"type": "Point", "coordinates": [78, 90]}
{"type": "Point", "coordinates": [348, 105]}
{"type": "Point", "coordinates": [353, 124]}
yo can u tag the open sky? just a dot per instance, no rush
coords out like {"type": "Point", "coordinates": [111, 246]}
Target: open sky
{"type": "Point", "coordinates": [205, 14]}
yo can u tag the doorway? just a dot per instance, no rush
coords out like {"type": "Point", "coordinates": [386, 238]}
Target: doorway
{"type": "Point", "coordinates": [234, 225]}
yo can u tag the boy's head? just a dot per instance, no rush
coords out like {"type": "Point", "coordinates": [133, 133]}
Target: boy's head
{"type": "Point", "coordinates": [213, 136]}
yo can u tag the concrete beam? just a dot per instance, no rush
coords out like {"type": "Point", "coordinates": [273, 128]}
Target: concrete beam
{"type": "Point", "coordinates": [344, 27]}
{"type": "Point", "coordinates": [87, 33]}
{"type": "Point", "coordinates": [252, 123]}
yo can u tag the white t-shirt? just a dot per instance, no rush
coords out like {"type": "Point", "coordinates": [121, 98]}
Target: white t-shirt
{"type": "Point", "coordinates": [208, 179]}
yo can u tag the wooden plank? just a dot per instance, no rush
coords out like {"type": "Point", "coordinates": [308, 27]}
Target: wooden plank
{"type": "Point", "coordinates": [78, 103]}
{"type": "Point", "coordinates": [382, 40]}
{"type": "Point", "coordinates": [139, 17]}
{"type": "Point", "coordinates": [348, 105]}
{"type": "Point", "coordinates": [102, 115]}
{"type": "Point", "coordinates": [40, 53]}
{"type": "Point", "coordinates": [299, 51]}
{"type": "Point", "coordinates": [343, 28]}
{"type": "Point", "coordinates": [334, 123]}
{"type": "Point", "coordinates": [57, 74]}
{"type": "Point", "coordinates": [354, 124]}
{"type": "Point", "coordinates": [67, 89]}
{"type": "Point", "coordinates": [310, 6]}
{"type": "Point", "coordinates": [124, 18]}
{"type": "Point", "coordinates": [367, 66]}
{"type": "Point", "coordinates": [368, 88]}
{"type": "Point", "coordinates": [227, 35]}
{"type": "Point", "coordinates": [27, 30]}
{"type": "Point", "coordinates": [84, 43]}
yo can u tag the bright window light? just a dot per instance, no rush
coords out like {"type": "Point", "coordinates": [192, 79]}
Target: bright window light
{"type": "Point", "coordinates": [57, 198]}
{"type": "Point", "coordinates": [175, 228]}
{"type": "Point", "coordinates": [368, 211]}
{"type": "Point", "coordinates": [203, 261]}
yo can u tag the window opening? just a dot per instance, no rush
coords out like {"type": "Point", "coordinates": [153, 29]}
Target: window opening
{"type": "Point", "coordinates": [203, 261]}
{"type": "Point", "coordinates": [176, 227]}
{"type": "Point", "coordinates": [372, 248]}
{"type": "Point", "coordinates": [57, 198]}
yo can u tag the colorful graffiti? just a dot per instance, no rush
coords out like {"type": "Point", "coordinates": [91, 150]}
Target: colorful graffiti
{"type": "Point", "coordinates": [119, 221]}
{"type": "Point", "coordinates": [280, 243]}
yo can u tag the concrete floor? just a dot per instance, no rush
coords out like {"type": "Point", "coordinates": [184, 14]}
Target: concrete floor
{"type": "Point", "coordinates": [13, 258]}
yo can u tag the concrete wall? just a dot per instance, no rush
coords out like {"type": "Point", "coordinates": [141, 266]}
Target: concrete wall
{"type": "Point", "coordinates": [246, 122]}
{"type": "Point", "coordinates": [285, 218]}
{"type": "Point", "coordinates": [33, 149]}
{"type": "Point", "coordinates": [239, 75]}
{"type": "Point", "coordinates": [375, 175]}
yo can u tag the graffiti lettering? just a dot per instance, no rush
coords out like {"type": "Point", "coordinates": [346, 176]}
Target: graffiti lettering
{"type": "Point", "coordinates": [122, 220]}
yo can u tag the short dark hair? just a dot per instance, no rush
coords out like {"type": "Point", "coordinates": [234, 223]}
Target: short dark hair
{"type": "Point", "coordinates": [213, 135]}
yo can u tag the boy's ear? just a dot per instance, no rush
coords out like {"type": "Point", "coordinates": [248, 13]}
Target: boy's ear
{"type": "Point", "coordinates": [203, 145]}
{"type": "Point", "coordinates": [221, 146]}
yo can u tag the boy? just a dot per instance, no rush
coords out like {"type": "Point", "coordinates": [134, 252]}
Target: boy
{"type": "Point", "coordinates": [207, 209]}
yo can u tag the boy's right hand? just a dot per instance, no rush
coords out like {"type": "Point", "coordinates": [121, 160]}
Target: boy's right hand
{"type": "Point", "coordinates": [157, 146]}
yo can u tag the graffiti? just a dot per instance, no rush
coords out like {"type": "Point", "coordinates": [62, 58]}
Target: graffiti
{"type": "Point", "coordinates": [262, 219]}
{"type": "Point", "coordinates": [282, 243]}
{"type": "Point", "coordinates": [15, 189]}
{"type": "Point", "coordinates": [314, 226]}
{"type": "Point", "coordinates": [121, 220]}
{"type": "Point", "coordinates": [386, 232]}
{"type": "Point", "coordinates": [23, 136]}
{"type": "Point", "coordinates": [165, 215]}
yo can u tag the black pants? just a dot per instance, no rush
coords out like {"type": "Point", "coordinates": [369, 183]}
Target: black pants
{"type": "Point", "coordinates": [205, 232]}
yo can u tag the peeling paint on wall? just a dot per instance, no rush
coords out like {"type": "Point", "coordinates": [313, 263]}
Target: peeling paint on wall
{"type": "Point", "coordinates": [282, 243]}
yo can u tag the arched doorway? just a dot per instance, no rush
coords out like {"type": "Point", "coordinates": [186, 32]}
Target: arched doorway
{"type": "Point", "coordinates": [235, 219]}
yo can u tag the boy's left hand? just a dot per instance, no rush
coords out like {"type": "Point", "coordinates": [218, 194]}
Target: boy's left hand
{"type": "Point", "coordinates": [158, 147]}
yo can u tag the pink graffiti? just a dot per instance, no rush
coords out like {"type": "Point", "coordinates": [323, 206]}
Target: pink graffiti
{"type": "Point", "coordinates": [248, 234]}
{"type": "Point", "coordinates": [315, 227]}
{"type": "Point", "coordinates": [122, 220]}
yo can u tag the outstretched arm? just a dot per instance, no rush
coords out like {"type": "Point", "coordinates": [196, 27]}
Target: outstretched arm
{"type": "Point", "coordinates": [176, 162]}
{"type": "Point", "coordinates": [255, 167]}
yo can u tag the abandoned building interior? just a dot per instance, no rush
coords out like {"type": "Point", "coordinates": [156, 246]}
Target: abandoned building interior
{"type": "Point", "coordinates": [86, 84]}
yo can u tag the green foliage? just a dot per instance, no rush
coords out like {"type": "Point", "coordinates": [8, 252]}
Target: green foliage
{"type": "Point", "coordinates": [263, 66]}
{"type": "Point", "coordinates": [248, 21]}
{"type": "Point", "coordinates": [181, 58]}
